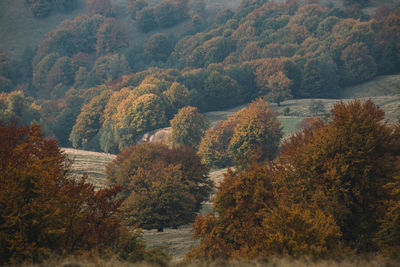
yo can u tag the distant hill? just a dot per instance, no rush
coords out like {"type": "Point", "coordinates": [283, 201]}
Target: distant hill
{"type": "Point", "coordinates": [20, 29]}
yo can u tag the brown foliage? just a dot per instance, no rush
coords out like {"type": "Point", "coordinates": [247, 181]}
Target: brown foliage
{"type": "Point", "coordinates": [43, 211]}
{"type": "Point", "coordinates": [164, 187]}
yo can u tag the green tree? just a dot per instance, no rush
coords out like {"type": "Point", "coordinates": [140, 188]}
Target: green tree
{"type": "Point", "coordinates": [164, 187]}
{"type": "Point", "coordinates": [188, 127]}
{"type": "Point", "coordinates": [136, 5]}
{"type": "Point", "coordinates": [86, 129]}
{"type": "Point", "coordinates": [15, 107]}
{"type": "Point", "coordinates": [158, 47]}
{"type": "Point", "coordinates": [316, 107]}
{"type": "Point", "coordinates": [145, 19]}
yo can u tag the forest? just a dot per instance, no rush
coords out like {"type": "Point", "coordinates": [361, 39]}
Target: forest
{"type": "Point", "coordinates": [114, 71]}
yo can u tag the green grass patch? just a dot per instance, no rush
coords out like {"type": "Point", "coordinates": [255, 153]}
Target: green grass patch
{"type": "Point", "coordinates": [290, 124]}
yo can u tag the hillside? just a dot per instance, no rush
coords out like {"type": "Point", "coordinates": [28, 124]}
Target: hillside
{"type": "Point", "coordinates": [20, 29]}
{"type": "Point", "coordinates": [179, 241]}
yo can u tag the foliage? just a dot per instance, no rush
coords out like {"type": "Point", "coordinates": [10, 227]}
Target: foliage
{"type": "Point", "coordinates": [254, 221]}
{"type": "Point", "coordinates": [251, 134]}
{"type": "Point", "coordinates": [165, 14]}
{"type": "Point", "coordinates": [164, 187]}
{"type": "Point", "coordinates": [349, 159]}
{"type": "Point", "coordinates": [188, 127]}
{"type": "Point", "coordinates": [316, 106]}
{"type": "Point", "coordinates": [325, 196]}
{"type": "Point", "coordinates": [86, 129]}
{"type": "Point", "coordinates": [158, 47]}
{"type": "Point", "coordinates": [213, 147]}
{"type": "Point", "coordinates": [136, 5]}
{"type": "Point", "coordinates": [45, 212]}
{"type": "Point", "coordinates": [145, 19]}
{"type": "Point", "coordinates": [257, 134]}
{"type": "Point", "coordinates": [15, 107]}
{"type": "Point", "coordinates": [111, 37]}
{"type": "Point", "coordinates": [102, 7]}
{"type": "Point", "coordinates": [6, 73]}
{"type": "Point", "coordinates": [42, 8]}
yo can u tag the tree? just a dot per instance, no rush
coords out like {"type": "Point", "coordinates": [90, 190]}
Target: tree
{"type": "Point", "coordinates": [359, 65]}
{"type": "Point", "coordinates": [15, 107]}
{"type": "Point", "coordinates": [102, 7]}
{"type": "Point", "coordinates": [319, 77]}
{"type": "Point", "coordinates": [41, 8]}
{"type": "Point", "coordinates": [136, 5]}
{"type": "Point", "coordinates": [85, 131]}
{"type": "Point", "coordinates": [45, 212]}
{"type": "Point", "coordinates": [164, 187]}
{"type": "Point", "coordinates": [146, 113]}
{"type": "Point", "coordinates": [145, 19]}
{"type": "Point", "coordinates": [350, 160]}
{"type": "Point", "coordinates": [253, 218]}
{"type": "Point", "coordinates": [166, 14]}
{"type": "Point", "coordinates": [213, 147]}
{"type": "Point", "coordinates": [158, 47]}
{"type": "Point", "coordinates": [316, 107]}
{"type": "Point", "coordinates": [279, 85]}
{"type": "Point", "coordinates": [177, 95]}
{"type": "Point", "coordinates": [111, 37]}
{"type": "Point", "coordinates": [187, 127]}
{"type": "Point", "coordinates": [388, 236]}
{"type": "Point", "coordinates": [257, 134]}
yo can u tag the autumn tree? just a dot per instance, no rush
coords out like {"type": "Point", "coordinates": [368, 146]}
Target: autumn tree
{"type": "Point", "coordinates": [44, 211]}
{"type": "Point", "coordinates": [253, 218]}
{"type": "Point", "coordinates": [111, 37]}
{"type": "Point", "coordinates": [187, 127]}
{"type": "Point", "coordinates": [359, 65]}
{"type": "Point", "coordinates": [350, 160]}
{"type": "Point", "coordinates": [251, 134]}
{"type": "Point", "coordinates": [279, 85]}
{"type": "Point", "coordinates": [164, 187]}
{"type": "Point", "coordinates": [257, 134]}
{"type": "Point", "coordinates": [213, 147]}
{"type": "Point", "coordinates": [102, 7]}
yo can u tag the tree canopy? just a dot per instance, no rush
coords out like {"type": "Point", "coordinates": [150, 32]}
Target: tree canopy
{"type": "Point", "coordinates": [163, 187]}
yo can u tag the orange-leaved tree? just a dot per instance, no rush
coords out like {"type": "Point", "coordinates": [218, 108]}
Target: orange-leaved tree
{"type": "Point", "coordinates": [45, 212]}
{"type": "Point", "coordinates": [163, 187]}
{"type": "Point", "coordinates": [349, 160]}
{"type": "Point", "coordinates": [188, 126]}
{"type": "Point", "coordinates": [251, 134]}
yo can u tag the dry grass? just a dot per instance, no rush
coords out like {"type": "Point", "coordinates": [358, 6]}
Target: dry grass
{"type": "Point", "coordinates": [91, 163]}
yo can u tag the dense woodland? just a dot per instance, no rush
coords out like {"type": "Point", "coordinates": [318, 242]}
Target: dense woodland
{"type": "Point", "coordinates": [330, 191]}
